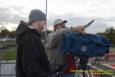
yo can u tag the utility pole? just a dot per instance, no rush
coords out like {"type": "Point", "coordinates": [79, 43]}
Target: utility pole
{"type": "Point", "coordinates": [46, 22]}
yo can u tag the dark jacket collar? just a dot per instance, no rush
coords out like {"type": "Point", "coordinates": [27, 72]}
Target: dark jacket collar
{"type": "Point", "coordinates": [23, 27]}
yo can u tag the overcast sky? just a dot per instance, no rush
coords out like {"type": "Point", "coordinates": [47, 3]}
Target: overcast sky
{"type": "Point", "coordinates": [77, 12]}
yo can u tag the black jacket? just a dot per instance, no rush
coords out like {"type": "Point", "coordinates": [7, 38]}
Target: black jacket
{"type": "Point", "coordinates": [31, 57]}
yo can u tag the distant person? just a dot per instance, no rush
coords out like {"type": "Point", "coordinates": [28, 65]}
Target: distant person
{"type": "Point", "coordinates": [31, 57]}
{"type": "Point", "coordinates": [55, 57]}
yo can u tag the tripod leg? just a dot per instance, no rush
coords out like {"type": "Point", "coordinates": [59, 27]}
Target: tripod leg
{"type": "Point", "coordinates": [83, 64]}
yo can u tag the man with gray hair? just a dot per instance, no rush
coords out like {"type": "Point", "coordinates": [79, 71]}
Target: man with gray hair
{"type": "Point", "coordinates": [31, 57]}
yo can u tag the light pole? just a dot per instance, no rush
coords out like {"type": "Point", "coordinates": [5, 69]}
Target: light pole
{"type": "Point", "coordinates": [46, 22]}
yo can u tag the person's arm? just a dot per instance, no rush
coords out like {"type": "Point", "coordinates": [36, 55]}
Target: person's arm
{"type": "Point", "coordinates": [55, 37]}
{"type": "Point", "coordinates": [80, 29]}
{"type": "Point", "coordinates": [49, 39]}
{"type": "Point", "coordinates": [31, 57]}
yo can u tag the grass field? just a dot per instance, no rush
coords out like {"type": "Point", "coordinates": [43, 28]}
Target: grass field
{"type": "Point", "coordinates": [8, 50]}
{"type": "Point", "coordinates": [9, 54]}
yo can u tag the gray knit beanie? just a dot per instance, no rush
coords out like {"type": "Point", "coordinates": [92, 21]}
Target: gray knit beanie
{"type": "Point", "coordinates": [37, 15]}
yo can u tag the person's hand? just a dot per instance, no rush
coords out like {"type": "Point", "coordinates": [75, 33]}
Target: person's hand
{"type": "Point", "coordinates": [80, 29]}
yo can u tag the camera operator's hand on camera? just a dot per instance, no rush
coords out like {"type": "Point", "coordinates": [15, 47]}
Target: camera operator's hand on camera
{"type": "Point", "coordinates": [80, 29]}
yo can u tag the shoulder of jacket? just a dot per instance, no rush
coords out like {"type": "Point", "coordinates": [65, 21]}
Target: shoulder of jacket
{"type": "Point", "coordinates": [31, 32]}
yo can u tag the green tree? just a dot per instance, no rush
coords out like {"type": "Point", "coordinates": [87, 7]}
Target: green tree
{"type": "Point", "coordinates": [110, 34]}
{"type": "Point", "coordinates": [4, 33]}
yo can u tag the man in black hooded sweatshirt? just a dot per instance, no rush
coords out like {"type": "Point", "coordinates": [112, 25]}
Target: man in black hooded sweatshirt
{"type": "Point", "coordinates": [31, 57]}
